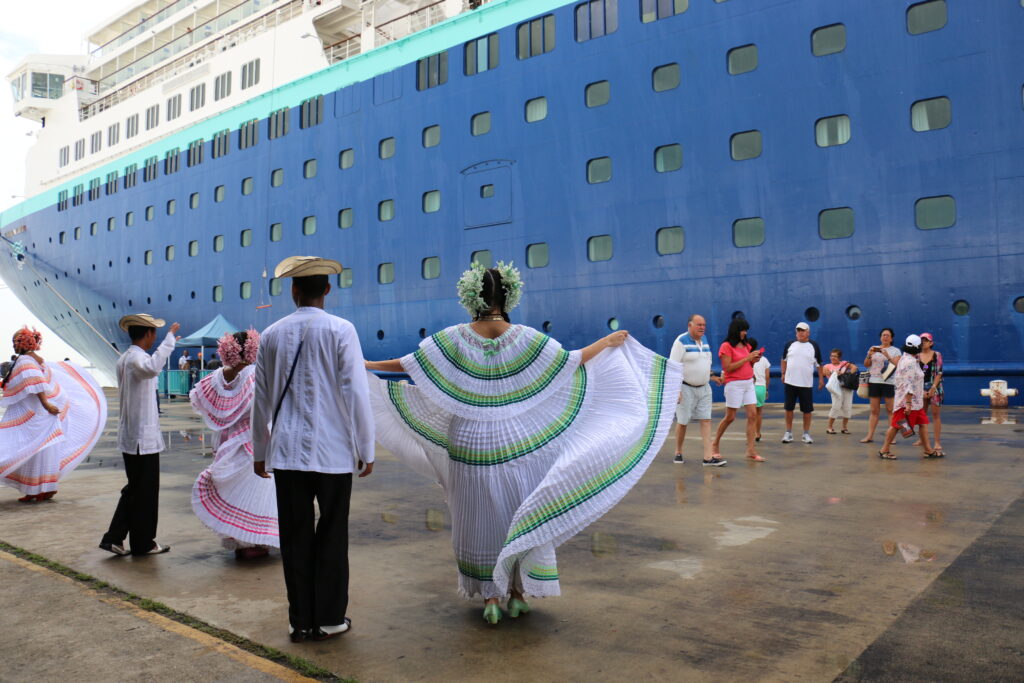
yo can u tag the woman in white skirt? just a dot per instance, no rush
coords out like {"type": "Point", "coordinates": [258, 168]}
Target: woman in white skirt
{"type": "Point", "coordinates": [531, 443]}
{"type": "Point", "coordinates": [227, 497]}
{"type": "Point", "coordinates": [55, 413]}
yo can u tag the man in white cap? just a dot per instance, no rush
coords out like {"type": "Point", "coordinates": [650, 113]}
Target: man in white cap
{"type": "Point", "coordinates": [139, 438]}
{"type": "Point", "coordinates": [312, 426]}
{"type": "Point", "coordinates": [800, 358]}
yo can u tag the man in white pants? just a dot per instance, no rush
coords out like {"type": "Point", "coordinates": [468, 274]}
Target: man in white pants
{"type": "Point", "coordinates": [692, 350]}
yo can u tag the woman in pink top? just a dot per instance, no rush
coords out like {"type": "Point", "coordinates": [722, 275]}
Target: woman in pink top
{"type": "Point", "coordinates": [737, 358]}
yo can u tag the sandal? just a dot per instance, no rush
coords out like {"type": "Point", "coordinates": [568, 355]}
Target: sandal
{"type": "Point", "coordinates": [756, 458]}
{"type": "Point", "coordinates": [935, 454]}
{"type": "Point", "coordinates": [830, 431]}
{"type": "Point", "coordinates": [886, 455]}
{"type": "Point", "coordinates": [844, 431]}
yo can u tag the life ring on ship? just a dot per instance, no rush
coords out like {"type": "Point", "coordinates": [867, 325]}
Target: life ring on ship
{"type": "Point", "coordinates": [78, 84]}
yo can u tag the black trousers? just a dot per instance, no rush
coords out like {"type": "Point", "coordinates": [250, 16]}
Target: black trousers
{"type": "Point", "coordinates": [136, 514]}
{"type": "Point", "coordinates": [314, 553]}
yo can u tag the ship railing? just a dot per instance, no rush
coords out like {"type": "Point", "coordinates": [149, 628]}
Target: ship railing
{"type": "Point", "coordinates": [185, 62]}
{"type": "Point", "coordinates": [411, 22]}
{"type": "Point", "coordinates": [141, 27]}
{"type": "Point", "coordinates": [343, 49]}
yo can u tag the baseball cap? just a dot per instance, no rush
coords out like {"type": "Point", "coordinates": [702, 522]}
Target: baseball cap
{"type": "Point", "coordinates": [928, 336]}
{"type": "Point", "coordinates": [803, 326]}
{"type": "Point", "coordinates": [913, 340]}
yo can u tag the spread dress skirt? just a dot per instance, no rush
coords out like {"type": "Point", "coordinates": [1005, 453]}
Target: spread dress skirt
{"type": "Point", "coordinates": [529, 445]}
{"type": "Point", "coordinates": [228, 497]}
{"type": "Point", "coordinates": [37, 448]}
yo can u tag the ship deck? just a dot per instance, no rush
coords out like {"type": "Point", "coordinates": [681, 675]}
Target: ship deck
{"type": "Point", "coordinates": [824, 562]}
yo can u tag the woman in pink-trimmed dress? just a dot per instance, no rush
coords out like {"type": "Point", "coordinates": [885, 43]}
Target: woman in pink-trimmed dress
{"type": "Point", "coordinates": [237, 505]}
{"type": "Point", "coordinates": [55, 413]}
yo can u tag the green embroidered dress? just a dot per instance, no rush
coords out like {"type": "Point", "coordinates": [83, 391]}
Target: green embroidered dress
{"type": "Point", "coordinates": [529, 445]}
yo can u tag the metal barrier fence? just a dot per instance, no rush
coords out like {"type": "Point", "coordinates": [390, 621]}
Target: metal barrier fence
{"type": "Point", "coordinates": [177, 382]}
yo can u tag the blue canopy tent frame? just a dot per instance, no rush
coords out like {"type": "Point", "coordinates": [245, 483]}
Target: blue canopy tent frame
{"type": "Point", "coordinates": [206, 336]}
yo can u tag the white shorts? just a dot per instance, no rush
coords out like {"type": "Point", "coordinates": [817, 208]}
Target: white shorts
{"type": "Point", "coordinates": [739, 393]}
{"type": "Point", "coordinates": [695, 404]}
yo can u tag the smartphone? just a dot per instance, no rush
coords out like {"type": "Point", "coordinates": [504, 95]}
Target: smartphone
{"type": "Point", "coordinates": [761, 351]}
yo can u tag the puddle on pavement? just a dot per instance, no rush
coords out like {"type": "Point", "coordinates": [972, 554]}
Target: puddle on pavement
{"type": "Point", "coordinates": [751, 529]}
{"type": "Point", "coordinates": [686, 567]}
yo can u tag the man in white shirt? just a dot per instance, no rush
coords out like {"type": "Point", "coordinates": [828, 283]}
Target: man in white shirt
{"type": "Point", "coordinates": [800, 358]}
{"type": "Point", "coordinates": [184, 362]}
{"type": "Point", "coordinates": [139, 438]}
{"type": "Point", "coordinates": [692, 350]}
{"type": "Point", "coordinates": [312, 426]}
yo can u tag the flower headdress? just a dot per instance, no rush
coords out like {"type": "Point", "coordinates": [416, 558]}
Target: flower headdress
{"type": "Point", "coordinates": [233, 353]}
{"type": "Point", "coordinates": [471, 285]}
{"type": "Point", "coordinates": [26, 340]}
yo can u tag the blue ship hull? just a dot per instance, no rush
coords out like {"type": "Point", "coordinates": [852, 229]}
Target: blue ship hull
{"type": "Point", "coordinates": [892, 272]}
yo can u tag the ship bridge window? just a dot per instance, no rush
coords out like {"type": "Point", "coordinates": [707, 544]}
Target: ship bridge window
{"type": "Point", "coordinates": [537, 255]}
{"type": "Point", "coordinates": [665, 77]}
{"type": "Point", "coordinates": [931, 213]}
{"type": "Point", "coordinates": [535, 37]}
{"type": "Point", "coordinates": [245, 290]}
{"type": "Point", "coordinates": [432, 136]}
{"type": "Point", "coordinates": [386, 148]}
{"type": "Point", "coordinates": [79, 149]}
{"type": "Point", "coordinates": [745, 145]}
{"type": "Point", "coordinates": [741, 60]}
{"type": "Point", "coordinates": [828, 40]}
{"type": "Point", "coordinates": [432, 71]}
{"type": "Point", "coordinates": [218, 293]}
{"type": "Point", "coordinates": [218, 243]}
{"type": "Point", "coordinates": [311, 112]}
{"type": "Point", "coordinates": [599, 170]}
{"type": "Point", "coordinates": [147, 258]}
{"type": "Point", "coordinates": [386, 273]}
{"type": "Point", "coordinates": [64, 156]}
{"type": "Point", "coordinates": [197, 97]}
{"type": "Point", "coordinates": [193, 248]}
{"type": "Point", "coordinates": [599, 248]}
{"type": "Point", "coordinates": [278, 123]}
{"type": "Point", "coordinates": [309, 168]}
{"type": "Point", "coordinates": [173, 107]}
{"type": "Point", "coordinates": [131, 126]}
{"type": "Point", "coordinates": [222, 86]}
{"type": "Point", "coordinates": [309, 225]}
{"type": "Point", "coordinates": [172, 161]}
{"type": "Point", "coordinates": [832, 130]}
{"type": "Point", "coordinates": [131, 175]}
{"type": "Point", "coordinates": [596, 18]}
{"type": "Point", "coordinates": [245, 238]}
{"type": "Point", "coordinates": [113, 134]}
{"type": "Point", "coordinates": [835, 223]}
{"type": "Point", "coordinates": [250, 74]}
{"type": "Point", "coordinates": [247, 185]}
{"type": "Point", "coordinates": [597, 94]}
{"type": "Point", "coordinates": [670, 240]}
{"type": "Point", "coordinates": [536, 109]}
{"type": "Point", "coordinates": [345, 219]}
{"type": "Point", "coordinates": [345, 278]}
{"type": "Point", "coordinates": [248, 134]}
{"type": "Point", "coordinates": [386, 210]}
{"type": "Point", "coordinates": [483, 257]}
{"type": "Point", "coordinates": [44, 85]}
{"type": "Point", "coordinates": [932, 114]}
{"type": "Point", "coordinates": [277, 177]}
{"type": "Point", "coordinates": [432, 201]}
{"type": "Point", "coordinates": [480, 124]}
{"type": "Point", "coordinates": [276, 232]}
{"type": "Point", "coordinates": [218, 193]}
{"type": "Point", "coordinates": [668, 158]}
{"type": "Point", "coordinates": [129, 219]}
{"type": "Point", "coordinates": [346, 158]}
{"type": "Point", "coordinates": [926, 16]}
{"type": "Point", "coordinates": [481, 55]}
{"type": "Point", "coordinates": [430, 268]}
{"type": "Point", "coordinates": [95, 142]}
{"type": "Point", "coordinates": [153, 117]}
{"type": "Point", "coordinates": [748, 232]}
{"type": "Point", "coordinates": [195, 152]}
{"type": "Point", "coordinates": [652, 10]}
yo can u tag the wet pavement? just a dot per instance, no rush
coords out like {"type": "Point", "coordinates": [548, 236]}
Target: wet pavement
{"type": "Point", "coordinates": [814, 565]}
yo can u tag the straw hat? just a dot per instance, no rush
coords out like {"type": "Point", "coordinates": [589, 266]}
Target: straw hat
{"type": "Point", "coordinates": [140, 320]}
{"type": "Point", "coordinates": [304, 266]}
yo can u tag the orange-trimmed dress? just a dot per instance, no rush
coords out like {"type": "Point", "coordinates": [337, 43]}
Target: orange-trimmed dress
{"type": "Point", "coordinates": [37, 448]}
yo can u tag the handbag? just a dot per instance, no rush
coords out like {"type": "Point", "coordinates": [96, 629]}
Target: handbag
{"type": "Point", "coordinates": [862, 388]}
{"type": "Point", "coordinates": [849, 380]}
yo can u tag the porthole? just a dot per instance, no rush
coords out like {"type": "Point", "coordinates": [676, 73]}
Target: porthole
{"type": "Point", "coordinates": [546, 326]}
{"type": "Point", "coordinates": [423, 333]}
{"type": "Point", "coordinates": [192, 295]}
{"type": "Point", "coordinates": [658, 322]}
{"type": "Point", "coordinates": [738, 315]}
{"type": "Point", "coordinates": [169, 297]}
{"type": "Point", "coordinates": [613, 324]}
{"type": "Point", "coordinates": [961, 307]}
{"type": "Point", "coordinates": [380, 334]}
{"type": "Point", "coordinates": [149, 300]}
{"type": "Point", "coordinates": [129, 259]}
{"type": "Point", "coordinates": [130, 304]}
{"type": "Point", "coordinates": [853, 312]}
{"type": "Point", "coordinates": [1018, 304]}
{"type": "Point", "coordinates": [812, 314]}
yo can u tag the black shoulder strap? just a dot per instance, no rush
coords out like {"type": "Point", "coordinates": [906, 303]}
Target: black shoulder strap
{"type": "Point", "coordinates": [291, 373]}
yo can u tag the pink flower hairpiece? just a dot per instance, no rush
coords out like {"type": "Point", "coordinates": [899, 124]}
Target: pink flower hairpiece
{"type": "Point", "coordinates": [252, 345]}
{"type": "Point", "coordinates": [26, 340]}
{"type": "Point", "coordinates": [232, 353]}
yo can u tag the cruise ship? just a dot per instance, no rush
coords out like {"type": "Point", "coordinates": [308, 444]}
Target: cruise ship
{"type": "Point", "coordinates": [851, 165]}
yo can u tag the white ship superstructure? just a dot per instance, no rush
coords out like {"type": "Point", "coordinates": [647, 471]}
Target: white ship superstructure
{"type": "Point", "coordinates": [160, 66]}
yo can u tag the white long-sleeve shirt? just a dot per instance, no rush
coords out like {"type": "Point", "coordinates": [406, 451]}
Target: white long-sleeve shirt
{"type": "Point", "coordinates": [325, 423]}
{"type": "Point", "coordinates": [138, 426]}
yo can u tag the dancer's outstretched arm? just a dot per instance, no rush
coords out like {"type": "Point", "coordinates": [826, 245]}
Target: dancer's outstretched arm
{"type": "Point", "coordinates": [613, 339]}
{"type": "Point", "coordinates": [393, 365]}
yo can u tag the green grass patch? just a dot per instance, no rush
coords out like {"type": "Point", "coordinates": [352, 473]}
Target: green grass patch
{"type": "Point", "coordinates": [294, 662]}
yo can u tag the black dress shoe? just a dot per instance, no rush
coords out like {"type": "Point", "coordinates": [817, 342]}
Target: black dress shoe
{"type": "Point", "coordinates": [299, 635]}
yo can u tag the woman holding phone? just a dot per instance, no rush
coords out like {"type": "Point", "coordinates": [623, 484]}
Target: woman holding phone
{"type": "Point", "coordinates": [738, 358]}
{"type": "Point", "coordinates": [881, 385]}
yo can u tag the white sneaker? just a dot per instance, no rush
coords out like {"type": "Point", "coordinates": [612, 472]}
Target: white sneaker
{"type": "Point", "coordinates": [787, 437]}
{"type": "Point", "coordinates": [807, 438]}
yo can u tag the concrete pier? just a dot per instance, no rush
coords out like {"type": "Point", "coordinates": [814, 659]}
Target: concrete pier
{"type": "Point", "coordinates": [823, 562]}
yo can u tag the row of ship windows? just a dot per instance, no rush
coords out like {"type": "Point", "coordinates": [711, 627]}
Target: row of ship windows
{"type": "Point", "coordinates": [598, 18]}
{"type": "Point", "coordinates": [593, 19]}
{"type": "Point", "coordinates": [925, 115]}
{"type": "Point", "coordinates": [930, 213]}
{"type": "Point", "coordinates": [249, 75]}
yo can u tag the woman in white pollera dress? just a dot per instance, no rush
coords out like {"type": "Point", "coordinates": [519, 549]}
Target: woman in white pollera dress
{"type": "Point", "coordinates": [531, 443]}
{"type": "Point", "coordinates": [227, 497]}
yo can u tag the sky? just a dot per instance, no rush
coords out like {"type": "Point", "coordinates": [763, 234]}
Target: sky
{"type": "Point", "coordinates": [52, 27]}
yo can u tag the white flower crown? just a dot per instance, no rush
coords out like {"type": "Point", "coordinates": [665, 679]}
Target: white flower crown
{"type": "Point", "coordinates": [471, 285]}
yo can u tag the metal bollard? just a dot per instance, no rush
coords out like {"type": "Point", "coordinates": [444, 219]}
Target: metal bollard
{"type": "Point", "coordinates": [999, 393]}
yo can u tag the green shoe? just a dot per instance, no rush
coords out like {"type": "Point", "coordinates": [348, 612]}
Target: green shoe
{"type": "Point", "coordinates": [492, 614]}
{"type": "Point", "coordinates": [517, 607]}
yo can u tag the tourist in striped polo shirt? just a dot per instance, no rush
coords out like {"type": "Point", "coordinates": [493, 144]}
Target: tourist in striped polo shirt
{"type": "Point", "coordinates": [692, 350]}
